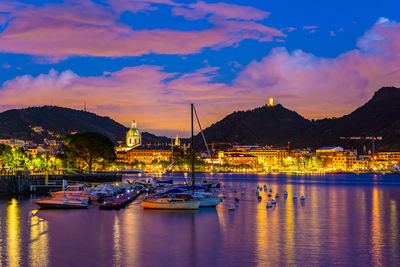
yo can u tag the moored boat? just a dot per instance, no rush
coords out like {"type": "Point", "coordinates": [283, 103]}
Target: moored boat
{"type": "Point", "coordinates": [61, 202]}
{"type": "Point", "coordinates": [170, 203]}
{"type": "Point", "coordinates": [71, 191]}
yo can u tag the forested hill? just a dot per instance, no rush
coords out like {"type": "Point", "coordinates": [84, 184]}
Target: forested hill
{"type": "Point", "coordinates": [59, 122]}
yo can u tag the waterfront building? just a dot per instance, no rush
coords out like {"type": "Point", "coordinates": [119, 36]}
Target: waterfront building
{"type": "Point", "coordinates": [344, 160]}
{"type": "Point", "coordinates": [148, 154]}
{"type": "Point", "coordinates": [269, 157]}
{"type": "Point", "coordinates": [236, 159]}
{"type": "Point", "coordinates": [391, 157]}
{"type": "Point", "coordinates": [327, 153]}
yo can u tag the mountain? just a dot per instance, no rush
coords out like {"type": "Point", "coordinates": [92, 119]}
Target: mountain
{"type": "Point", "coordinates": [263, 125]}
{"type": "Point", "coordinates": [59, 122]}
{"type": "Point", "coordinates": [380, 116]}
{"type": "Point", "coordinates": [277, 125]}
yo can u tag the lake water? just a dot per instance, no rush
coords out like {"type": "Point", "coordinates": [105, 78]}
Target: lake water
{"type": "Point", "coordinates": [345, 220]}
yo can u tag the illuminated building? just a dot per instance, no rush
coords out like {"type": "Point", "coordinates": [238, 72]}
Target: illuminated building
{"type": "Point", "coordinates": [326, 154]}
{"type": "Point", "coordinates": [177, 141]}
{"type": "Point", "coordinates": [235, 158]}
{"type": "Point", "coordinates": [271, 102]}
{"type": "Point", "coordinates": [392, 157]}
{"type": "Point", "coordinates": [344, 160]}
{"type": "Point", "coordinates": [269, 157]}
{"type": "Point", "coordinates": [133, 136]}
{"type": "Point", "coordinates": [148, 154]}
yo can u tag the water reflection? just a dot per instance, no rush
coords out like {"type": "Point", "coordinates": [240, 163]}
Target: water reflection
{"type": "Point", "coordinates": [39, 241]}
{"type": "Point", "coordinates": [117, 242]}
{"type": "Point", "coordinates": [13, 234]}
{"type": "Point", "coordinates": [289, 228]}
{"type": "Point", "coordinates": [376, 228]}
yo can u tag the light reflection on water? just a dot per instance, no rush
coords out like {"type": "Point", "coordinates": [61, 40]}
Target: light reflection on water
{"type": "Point", "coordinates": [345, 220]}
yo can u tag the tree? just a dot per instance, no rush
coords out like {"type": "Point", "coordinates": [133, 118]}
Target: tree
{"type": "Point", "coordinates": [89, 148]}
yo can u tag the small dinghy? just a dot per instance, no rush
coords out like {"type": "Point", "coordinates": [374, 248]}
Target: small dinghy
{"type": "Point", "coordinates": [61, 202]}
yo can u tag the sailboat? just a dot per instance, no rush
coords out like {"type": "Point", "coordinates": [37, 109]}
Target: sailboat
{"type": "Point", "coordinates": [186, 199]}
{"type": "Point", "coordinates": [173, 201]}
{"type": "Point", "coordinates": [207, 199]}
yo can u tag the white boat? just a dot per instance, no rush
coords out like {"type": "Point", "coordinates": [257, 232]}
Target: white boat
{"type": "Point", "coordinates": [71, 191]}
{"type": "Point", "coordinates": [61, 202]}
{"type": "Point", "coordinates": [208, 199]}
{"type": "Point", "coordinates": [170, 203]}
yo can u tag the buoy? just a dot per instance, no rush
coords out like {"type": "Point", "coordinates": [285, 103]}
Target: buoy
{"type": "Point", "coordinates": [260, 188]}
{"type": "Point", "coordinates": [259, 197]}
{"type": "Point", "coordinates": [269, 205]}
{"type": "Point", "coordinates": [236, 199]}
{"type": "Point", "coordinates": [303, 198]}
{"type": "Point", "coordinates": [295, 196]}
{"type": "Point", "coordinates": [257, 193]}
{"type": "Point", "coordinates": [277, 195]}
{"type": "Point", "coordinates": [231, 208]}
{"type": "Point", "coordinates": [273, 201]}
{"type": "Point", "coordinates": [270, 190]}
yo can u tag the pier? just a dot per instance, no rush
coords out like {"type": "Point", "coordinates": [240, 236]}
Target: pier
{"type": "Point", "coordinates": [23, 182]}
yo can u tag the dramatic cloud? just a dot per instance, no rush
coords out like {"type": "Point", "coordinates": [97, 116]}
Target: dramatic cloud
{"type": "Point", "coordinates": [228, 11]}
{"type": "Point", "coordinates": [85, 28]}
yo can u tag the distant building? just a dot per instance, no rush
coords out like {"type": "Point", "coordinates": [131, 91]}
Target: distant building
{"type": "Point", "coordinates": [345, 160]}
{"type": "Point", "coordinates": [13, 142]}
{"type": "Point", "coordinates": [37, 129]}
{"type": "Point", "coordinates": [269, 157]}
{"type": "Point", "coordinates": [328, 150]}
{"type": "Point", "coordinates": [271, 102]}
{"type": "Point", "coordinates": [177, 141]}
{"type": "Point", "coordinates": [392, 157]}
{"type": "Point", "coordinates": [148, 154]}
{"type": "Point", "coordinates": [235, 158]}
{"type": "Point", "coordinates": [133, 136]}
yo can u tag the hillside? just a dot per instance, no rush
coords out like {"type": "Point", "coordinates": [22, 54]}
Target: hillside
{"type": "Point", "coordinates": [59, 122]}
{"type": "Point", "coordinates": [265, 125]}
{"type": "Point", "coordinates": [380, 116]}
{"type": "Point", "coordinates": [277, 125]}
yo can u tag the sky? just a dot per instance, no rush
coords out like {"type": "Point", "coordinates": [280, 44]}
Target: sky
{"type": "Point", "coordinates": [148, 60]}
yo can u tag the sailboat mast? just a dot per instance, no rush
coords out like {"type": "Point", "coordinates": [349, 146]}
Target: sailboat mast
{"type": "Point", "coordinates": [192, 146]}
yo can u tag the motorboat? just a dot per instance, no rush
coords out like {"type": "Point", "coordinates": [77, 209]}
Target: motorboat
{"type": "Point", "coordinates": [71, 191]}
{"type": "Point", "coordinates": [61, 202]}
{"type": "Point", "coordinates": [171, 202]}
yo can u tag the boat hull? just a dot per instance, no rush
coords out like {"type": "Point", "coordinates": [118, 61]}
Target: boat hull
{"type": "Point", "coordinates": [210, 201]}
{"type": "Point", "coordinates": [62, 203]}
{"type": "Point", "coordinates": [171, 205]}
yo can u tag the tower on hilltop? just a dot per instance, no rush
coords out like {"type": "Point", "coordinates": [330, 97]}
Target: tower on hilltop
{"type": "Point", "coordinates": [271, 102]}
